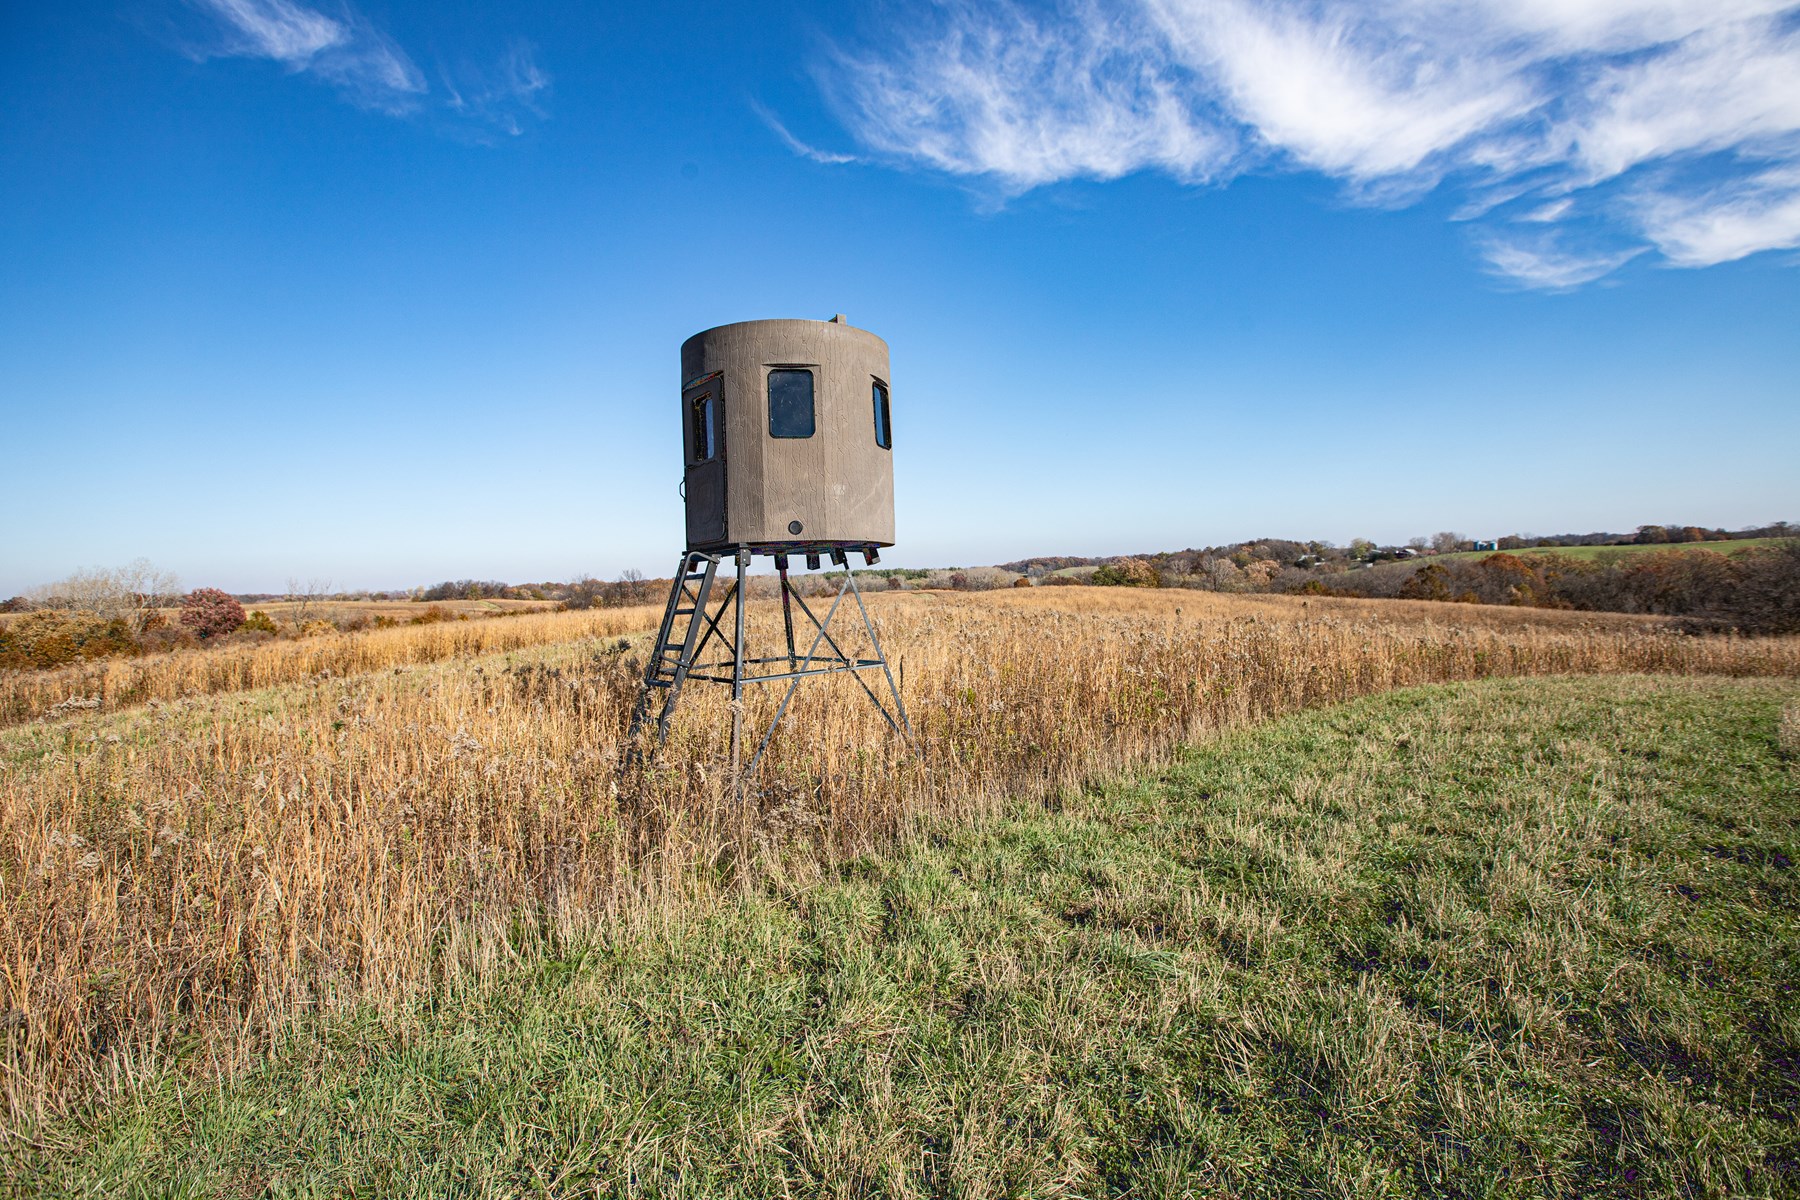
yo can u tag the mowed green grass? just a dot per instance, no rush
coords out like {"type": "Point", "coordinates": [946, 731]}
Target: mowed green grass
{"type": "Point", "coordinates": [1591, 553]}
{"type": "Point", "coordinates": [1514, 938]}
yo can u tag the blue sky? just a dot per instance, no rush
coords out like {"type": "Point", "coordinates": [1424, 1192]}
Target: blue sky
{"type": "Point", "coordinates": [389, 293]}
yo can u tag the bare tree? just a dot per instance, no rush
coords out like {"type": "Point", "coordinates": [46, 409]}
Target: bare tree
{"type": "Point", "coordinates": [129, 593]}
{"type": "Point", "coordinates": [1219, 574]}
{"type": "Point", "coordinates": [584, 592]}
{"type": "Point", "coordinates": [633, 588]}
{"type": "Point", "coordinates": [1447, 542]}
{"type": "Point", "coordinates": [149, 588]}
{"type": "Point", "coordinates": [306, 597]}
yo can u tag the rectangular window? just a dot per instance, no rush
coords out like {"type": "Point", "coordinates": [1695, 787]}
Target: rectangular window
{"type": "Point", "coordinates": [790, 403]}
{"type": "Point", "coordinates": [884, 430]}
{"type": "Point", "coordinates": [705, 418]}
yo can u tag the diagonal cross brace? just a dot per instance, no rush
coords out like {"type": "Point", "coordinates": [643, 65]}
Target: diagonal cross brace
{"type": "Point", "coordinates": [704, 622]}
{"type": "Point", "coordinates": [903, 728]}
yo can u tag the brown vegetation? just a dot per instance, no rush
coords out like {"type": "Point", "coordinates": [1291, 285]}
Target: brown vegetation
{"type": "Point", "coordinates": [1127, 572]}
{"type": "Point", "coordinates": [263, 663]}
{"type": "Point", "coordinates": [188, 874]}
{"type": "Point", "coordinates": [1757, 591]}
{"type": "Point", "coordinates": [41, 640]}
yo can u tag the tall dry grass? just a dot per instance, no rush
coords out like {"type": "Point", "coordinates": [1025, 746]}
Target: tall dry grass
{"type": "Point", "coordinates": [185, 876]}
{"type": "Point", "coordinates": [121, 682]}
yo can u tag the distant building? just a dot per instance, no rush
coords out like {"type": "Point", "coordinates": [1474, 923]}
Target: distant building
{"type": "Point", "coordinates": [1490, 544]}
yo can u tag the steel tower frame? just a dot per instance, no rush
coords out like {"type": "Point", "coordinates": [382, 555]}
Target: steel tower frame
{"type": "Point", "coordinates": [691, 623]}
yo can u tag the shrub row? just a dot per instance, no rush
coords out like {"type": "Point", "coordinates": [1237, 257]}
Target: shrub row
{"type": "Point", "coordinates": [1754, 592]}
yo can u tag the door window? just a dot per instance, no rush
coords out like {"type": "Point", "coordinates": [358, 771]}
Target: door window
{"type": "Point", "coordinates": [703, 417]}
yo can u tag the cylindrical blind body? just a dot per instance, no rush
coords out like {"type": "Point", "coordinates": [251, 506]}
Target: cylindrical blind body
{"type": "Point", "coordinates": [786, 436]}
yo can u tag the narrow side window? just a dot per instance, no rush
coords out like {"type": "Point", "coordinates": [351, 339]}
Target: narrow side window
{"type": "Point", "coordinates": [884, 429]}
{"type": "Point", "coordinates": [790, 403]}
{"type": "Point", "coordinates": [704, 416]}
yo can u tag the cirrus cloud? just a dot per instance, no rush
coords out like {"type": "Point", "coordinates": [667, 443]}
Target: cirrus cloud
{"type": "Point", "coordinates": [368, 68]}
{"type": "Point", "coordinates": [1580, 133]}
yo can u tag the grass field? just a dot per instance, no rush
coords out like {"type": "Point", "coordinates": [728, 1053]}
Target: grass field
{"type": "Point", "coordinates": [343, 611]}
{"type": "Point", "coordinates": [121, 683]}
{"type": "Point", "coordinates": [1500, 938]}
{"type": "Point", "coordinates": [398, 610]}
{"type": "Point", "coordinates": [361, 819]}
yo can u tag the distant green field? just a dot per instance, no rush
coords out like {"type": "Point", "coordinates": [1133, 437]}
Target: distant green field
{"type": "Point", "coordinates": [1592, 552]}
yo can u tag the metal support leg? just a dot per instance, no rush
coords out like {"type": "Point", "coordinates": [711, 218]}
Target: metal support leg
{"type": "Point", "coordinates": [886, 669]}
{"type": "Point", "coordinates": [787, 610]}
{"type": "Point", "coordinates": [737, 679]}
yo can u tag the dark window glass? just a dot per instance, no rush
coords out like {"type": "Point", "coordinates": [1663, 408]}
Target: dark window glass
{"type": "Point", "coordinates": [790, 403]}
{"type": "Point", "coordinates": [706, 427]}
{"type": "Point", "coordinates": [884, 431]}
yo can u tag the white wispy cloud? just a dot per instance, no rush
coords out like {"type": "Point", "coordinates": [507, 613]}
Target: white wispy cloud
{"type": "Point", "coordinates": [997, 92]}
{"type": "Point", "coordinates": [1725, 222]}
{"type": "Point", "coordinates": [500, 98]}
{"type": "Point", "coordinates": [345, 49]}
{"type": "Point", "coordinates": [803, 149]}
{"type": "Point", "coordinates": [276, 29]}
{"type": "Point", "coordinates": [1553, 211]}
{"type": "Point", "coordinates": [1676, 123]}
{"type": "Point", "coordinates": [1541, 262]}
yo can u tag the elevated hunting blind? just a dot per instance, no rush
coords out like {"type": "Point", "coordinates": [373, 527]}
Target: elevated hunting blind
{"type": "Point", "coordinates": [787, 451]}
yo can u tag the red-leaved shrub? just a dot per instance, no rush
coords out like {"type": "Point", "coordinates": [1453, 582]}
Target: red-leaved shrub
{"type": "Point", "coordinates": [211, 613]}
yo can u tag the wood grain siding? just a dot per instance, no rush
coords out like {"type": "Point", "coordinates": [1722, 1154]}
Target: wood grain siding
{"type": "Point", "coordinates": [839, 484]}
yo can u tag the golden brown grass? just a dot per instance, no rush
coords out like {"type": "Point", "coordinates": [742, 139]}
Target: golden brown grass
{"type": "Point", "coordinates": [183, 876]}
{"type": "Point", "coordinates": [1284, 607]}
{"type": "Point", "coordinates": [394, 610]}
{"type": "Point", "coordinates": [122, 682]}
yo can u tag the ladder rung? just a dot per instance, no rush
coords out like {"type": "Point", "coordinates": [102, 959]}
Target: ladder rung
{"type": "Point", "coordinates": [659, 683]}
{"type": "Point", "coordinates": [684, 612]}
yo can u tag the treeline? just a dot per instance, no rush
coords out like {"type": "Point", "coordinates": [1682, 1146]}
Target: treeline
{"type": "Point", "coordinates": [1320, 555]}
{"type": "Point", "coordinates": [1650, 535]}
{"type": "Point", "coordinates": [1753, 589]}
{"type": "Point", "coordinates": [1757, 591]}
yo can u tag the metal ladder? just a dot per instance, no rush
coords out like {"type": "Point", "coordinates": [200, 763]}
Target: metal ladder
{"type": "Point", "coordinates": [672, 659]}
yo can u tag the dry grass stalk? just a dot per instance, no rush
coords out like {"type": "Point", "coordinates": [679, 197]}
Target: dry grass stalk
{"type": "Point", "coordinates": [188, 875]}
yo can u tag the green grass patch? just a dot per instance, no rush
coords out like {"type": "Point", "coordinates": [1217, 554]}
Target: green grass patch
{"type": "Point", "coordinates": [1512, 938]}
